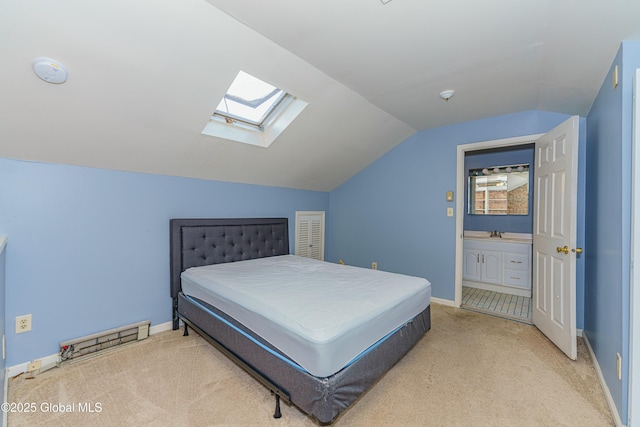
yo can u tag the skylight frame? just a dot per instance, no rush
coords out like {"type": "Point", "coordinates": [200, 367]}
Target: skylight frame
{"type": "Point", "coordinates": [244, 82]}
{"type": "Point", "coordinates": [261, 134]}
{"type": "Point", "coordinates": [230, 118]}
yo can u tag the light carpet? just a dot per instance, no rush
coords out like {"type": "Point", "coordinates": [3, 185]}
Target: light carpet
{"type": "Point", "coordinates": [468, 370]}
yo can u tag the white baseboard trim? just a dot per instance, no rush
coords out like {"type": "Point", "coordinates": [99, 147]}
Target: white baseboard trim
{"type": "Point", "coordinates": [52, 359]}
{"type": "Point", "coordinates": [446, 302]}
{"type": "Point", "coordinates": [607, 394]}
{"type": "Point", "coordinates": [498, 288]}
{"type": "Point", "coordinates": [6, 391]}
{"type": "Point", "coordinates": [162, 327]}
{"type": "Point", "coordinates": [21, 368]}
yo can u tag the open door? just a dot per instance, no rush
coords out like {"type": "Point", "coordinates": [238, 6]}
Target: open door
{"type": "Point", "coordinates": [554, 235]}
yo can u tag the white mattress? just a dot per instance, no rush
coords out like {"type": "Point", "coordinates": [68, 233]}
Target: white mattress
{"type": "Point", "coordinates": [321, 315]}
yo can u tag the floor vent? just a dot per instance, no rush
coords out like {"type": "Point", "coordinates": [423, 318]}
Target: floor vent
{"type": "Point", "coordinates": [92, 344]}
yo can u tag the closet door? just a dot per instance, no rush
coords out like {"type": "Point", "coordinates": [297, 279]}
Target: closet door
{"type": "Point", "coordinates": [310, 234]}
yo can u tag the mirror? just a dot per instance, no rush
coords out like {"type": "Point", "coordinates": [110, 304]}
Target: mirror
{"type": "Point", "coordinates": [499, 190]}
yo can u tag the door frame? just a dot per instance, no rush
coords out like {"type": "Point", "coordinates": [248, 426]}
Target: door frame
{"type": "Point", "coordinates": [460, 180]}
{"type": "Point", "coordinates": [634, 297]}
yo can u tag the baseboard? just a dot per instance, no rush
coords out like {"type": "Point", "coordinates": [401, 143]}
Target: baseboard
{"type": "Point", "coordinates": [503, 289]}
{"type": "Point", "coordinates": [21, 368]}
{"type": "Point", "coordinates": [607, 394]}
{"type": "Point", "coordinates": [6, 390]}
{"type": "Point", "coordinates": [446, 302]}
{"type": "Point", "coordinates": [52, 359]}
{"type": "Point", "coordinates": [162, 327]}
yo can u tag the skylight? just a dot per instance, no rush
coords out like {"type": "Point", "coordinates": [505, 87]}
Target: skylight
{"type": "Point", "coordinates": [249, 100]}
{"type": "Point", "coordinates": [253, 112]}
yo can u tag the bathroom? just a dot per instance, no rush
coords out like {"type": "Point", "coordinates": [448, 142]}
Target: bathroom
{"type": "Point", "coordinates": [498, 226]}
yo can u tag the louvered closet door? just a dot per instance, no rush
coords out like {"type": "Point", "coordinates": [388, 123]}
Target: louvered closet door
{"type": "Point", "coordinates": [310, 234]}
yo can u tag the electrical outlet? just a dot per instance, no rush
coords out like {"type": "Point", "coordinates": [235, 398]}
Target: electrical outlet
{"type": "Point", "coordinates": [619, 365]}
{"type": "Point", "coordinates": [34, 366]}
{"type": "Point", "coordinates": [23, 323]}
{"type": "Point", "coordinates": [374, 265]}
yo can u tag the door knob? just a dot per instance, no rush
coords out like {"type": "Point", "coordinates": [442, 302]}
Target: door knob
{"type": "Point", "coordinates": [565, 250]}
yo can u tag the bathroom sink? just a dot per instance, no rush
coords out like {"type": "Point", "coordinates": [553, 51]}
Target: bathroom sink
{"type": "Point", "coordinates": [503, 237]}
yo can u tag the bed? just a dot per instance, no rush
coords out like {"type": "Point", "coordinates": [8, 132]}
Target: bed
{"type": "Point", "coordinates": [215, 291]}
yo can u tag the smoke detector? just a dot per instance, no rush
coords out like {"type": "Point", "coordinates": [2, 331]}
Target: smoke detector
{"type": "Point", "coordinates": [447, 94]}
{"type": "Point", "coordinates": [49, 70]}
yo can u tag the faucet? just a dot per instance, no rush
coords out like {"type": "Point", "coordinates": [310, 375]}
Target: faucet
{"type": "Point", "coordinates": [495, 234]}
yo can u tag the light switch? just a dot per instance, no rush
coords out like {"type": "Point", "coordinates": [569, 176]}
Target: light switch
{"type": "Point", "coordinates": [449, 196]}
{"type": "Point", "coordinates": [449, 211]}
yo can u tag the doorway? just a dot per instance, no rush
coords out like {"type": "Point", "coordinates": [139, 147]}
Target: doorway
{"type": "Point", "coordinates": [462, 150]}
{"type": "Point", "coordinates": [554, 252]}
{"type": "Point", "coordinates": [498, 225]}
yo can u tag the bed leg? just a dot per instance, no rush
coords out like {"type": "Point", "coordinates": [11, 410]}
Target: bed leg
{"type": "Point", "coordinates": [186, 331]}
{"type": "Point", "coordinates": [277, 414]}
{"type": "Point", "coordinates": [176, 319]}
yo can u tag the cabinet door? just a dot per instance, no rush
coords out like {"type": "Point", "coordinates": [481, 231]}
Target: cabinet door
{"type": "Point", "coordinates": [492, 267]}
{"type": "Point", "coordinates": [471, 264]}
{"type": "Point", "coordinates": [310, 234]}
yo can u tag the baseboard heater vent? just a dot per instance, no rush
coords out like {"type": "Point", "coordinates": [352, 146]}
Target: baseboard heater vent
{"type": "Point", "coordinates": [91, 344]}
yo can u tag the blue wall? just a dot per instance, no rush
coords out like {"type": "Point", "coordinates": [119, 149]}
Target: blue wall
{"type": "Point", "coordinates": [608, 224]}
{"type": "Point", "coordinates": [394, 211]}
{"type": "Point", "coordinates": [523, 154]}
{"type": "Point", "coordinates": [90, 247]}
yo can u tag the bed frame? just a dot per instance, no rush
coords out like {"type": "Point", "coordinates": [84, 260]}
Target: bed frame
{"type": "Point", "coordinates": [198, 242]}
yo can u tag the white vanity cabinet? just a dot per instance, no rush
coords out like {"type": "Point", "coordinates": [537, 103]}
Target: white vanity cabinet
{"type": "Point", "coordinates": [482, 265]}
{"type": "Point", "coordinates": [497, 265]}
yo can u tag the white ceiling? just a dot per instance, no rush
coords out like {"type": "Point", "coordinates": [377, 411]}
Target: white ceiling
{"type": "Point", "coordinates": [145, 75]}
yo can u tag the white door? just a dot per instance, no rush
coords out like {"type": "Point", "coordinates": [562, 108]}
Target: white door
{"type": "Point", "coordinates": [554, 235]}
{"type": "Point", "coordinates": [310, 234]}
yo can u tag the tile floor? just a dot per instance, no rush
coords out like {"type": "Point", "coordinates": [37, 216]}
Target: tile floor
{"type": "Point", "coordinates": [509, 306]}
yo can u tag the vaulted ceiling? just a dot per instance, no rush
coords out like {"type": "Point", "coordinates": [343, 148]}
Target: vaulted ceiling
{"type": "Point", "coordinates": [146, 75]}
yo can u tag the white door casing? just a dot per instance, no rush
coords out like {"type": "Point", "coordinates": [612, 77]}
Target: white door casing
{"type": "Point", "coordinates": [554, 228]}
{"type": "Point", "coordinates": [634, 310]}
{"type": "Point", "coordinates": [310, 234]}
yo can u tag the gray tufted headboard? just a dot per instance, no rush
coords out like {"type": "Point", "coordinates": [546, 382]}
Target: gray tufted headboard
{"type": "Point", "coordinates": [197, 242]}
